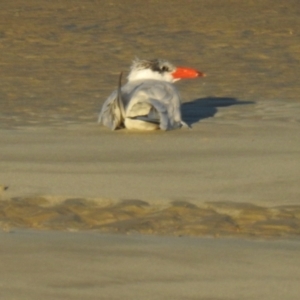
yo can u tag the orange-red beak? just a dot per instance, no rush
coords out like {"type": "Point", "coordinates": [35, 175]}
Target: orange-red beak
{"type": "Point", "coordinates": [183, 73]}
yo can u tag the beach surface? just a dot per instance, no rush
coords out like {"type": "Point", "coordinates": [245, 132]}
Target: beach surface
{"type": "Point", "coordinates": [48, 265]}
{"type": "Point", "coordinates": [207, 213]}
{"type": "Point", "coordinates": [245, 115]}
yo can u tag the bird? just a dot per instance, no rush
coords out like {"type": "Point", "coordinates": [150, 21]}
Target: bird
{"type": "Point", "coordinates": [149, 100]}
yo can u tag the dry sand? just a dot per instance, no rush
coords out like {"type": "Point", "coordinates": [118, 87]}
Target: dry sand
{"type": "Point", "coordinates": [242, 161]}
{"type": "Point", "coordinates": [236, 173]}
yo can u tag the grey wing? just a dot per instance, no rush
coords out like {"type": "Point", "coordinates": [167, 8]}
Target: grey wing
{"type": "Point", "coordinates": [156, 102]}
{"type": "Point", "coordinates": [162, 112]}
{"type": "Point", "coordinates": [166, 100]}
{"type": "Point", "coordinates": [112, 113]}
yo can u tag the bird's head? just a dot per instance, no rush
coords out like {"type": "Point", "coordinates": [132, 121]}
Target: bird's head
{"type": "Point", "coordinates": [159, 69]}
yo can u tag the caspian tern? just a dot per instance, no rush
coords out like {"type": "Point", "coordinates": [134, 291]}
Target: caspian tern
{"type": "Point", "coordinates": [149, 100]}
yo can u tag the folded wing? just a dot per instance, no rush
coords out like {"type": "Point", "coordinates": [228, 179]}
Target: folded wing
{"type": "Point", "coordinates": [156, 102]}
{"type": "Point", "coordinates": [112, 114]}
{"type": "Point", "coordinates": [148, 105]}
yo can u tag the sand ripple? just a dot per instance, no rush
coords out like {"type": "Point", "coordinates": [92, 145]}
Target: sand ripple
{"type": "Point", "coordinates": [136, 216]}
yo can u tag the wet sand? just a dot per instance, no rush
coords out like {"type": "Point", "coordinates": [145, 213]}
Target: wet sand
{"type": "Point", "coordinates": [67, 266]}
{"type": "Point", "coordinates": [235, 174]}
{"type": "Point", "coordinates": [179, 218]}
{"type": "Point", "coordinates": [60, 60]}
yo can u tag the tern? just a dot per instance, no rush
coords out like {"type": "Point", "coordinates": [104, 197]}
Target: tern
{"type": "Point", "coordinates": [149, 100]}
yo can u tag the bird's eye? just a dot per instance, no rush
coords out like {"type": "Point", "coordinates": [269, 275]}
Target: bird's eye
{"type": "Point", "coordinates": [165, 69]}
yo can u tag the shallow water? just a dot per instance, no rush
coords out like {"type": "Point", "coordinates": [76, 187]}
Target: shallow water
{"type": "Point", "coordinates": [60, 59]}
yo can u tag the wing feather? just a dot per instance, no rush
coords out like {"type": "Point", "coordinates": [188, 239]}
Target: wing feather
{"type": "Point", "coordinates": [149, 101]}
{"type": "Point", "coordinates": [112, 113]}
{"type": "Point", "coordinates": [169, 101]}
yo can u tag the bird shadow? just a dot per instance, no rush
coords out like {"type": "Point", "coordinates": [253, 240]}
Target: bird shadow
{"type": "Point", "coordinates": [202, 108]}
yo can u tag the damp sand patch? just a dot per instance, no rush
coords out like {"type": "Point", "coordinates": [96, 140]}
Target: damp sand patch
{"type": "Point", "coordinates": [179, 218]}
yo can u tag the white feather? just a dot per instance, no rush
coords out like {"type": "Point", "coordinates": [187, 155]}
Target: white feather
{"type": "Point", "coordinates": [150, 100]}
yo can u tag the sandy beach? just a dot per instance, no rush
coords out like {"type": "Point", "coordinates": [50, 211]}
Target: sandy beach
{"type": "Point", "coordinates": [243, 178]}
{"type": "Point", "coordinates": [60, 265]}
{"type": "Point", "coordinates": [207, 213]}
